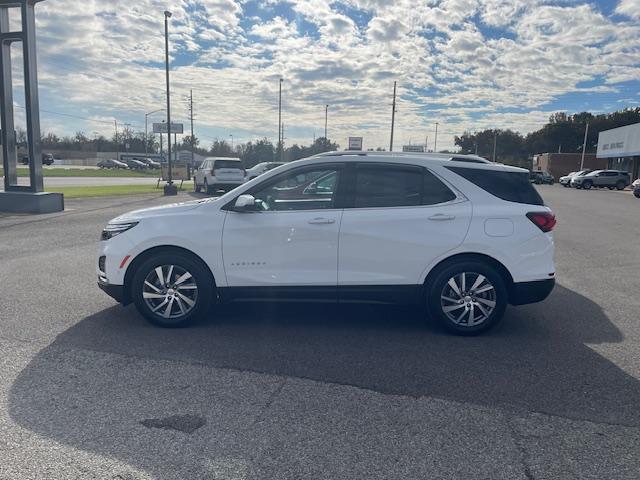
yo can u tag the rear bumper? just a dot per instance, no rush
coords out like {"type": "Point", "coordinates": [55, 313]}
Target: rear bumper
{"type": "Point", "coordinates": [531, 292]}
{"type": "Point", "coordinates": [114, 291]}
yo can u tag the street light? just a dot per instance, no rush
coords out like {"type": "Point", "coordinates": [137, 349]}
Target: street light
{"type": "Point", "coordinates": [169, 188]}
{"type": "Point", "coordinates": [146, 128]}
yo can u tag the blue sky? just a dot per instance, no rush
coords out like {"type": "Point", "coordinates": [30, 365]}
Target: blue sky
{"type": "Point", "coordinates": [466, 64]}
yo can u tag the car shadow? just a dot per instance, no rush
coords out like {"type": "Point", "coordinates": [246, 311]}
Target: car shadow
{"type": "Point", "coordinates": [538, 359]}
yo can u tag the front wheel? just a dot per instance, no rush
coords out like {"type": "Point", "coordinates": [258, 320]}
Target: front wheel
{"type": "Point", "coordinates": [172, 289]}
{"type": "Point", "coordinates": [196, 187]}
{"type": "Point", "coordinates": [467, 298]}
{"type": "Point", "coordinates": [587, 185]}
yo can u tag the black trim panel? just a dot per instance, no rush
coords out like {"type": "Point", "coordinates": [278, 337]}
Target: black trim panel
{"type": "Point", "coordinates": [400, 294]}
{"type": "Point", "coordinates": [531, 292]}
{"type": "Point", "coordinates": [114, 291]}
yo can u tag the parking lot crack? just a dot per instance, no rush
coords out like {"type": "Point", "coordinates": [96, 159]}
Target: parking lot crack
{"type": "Point", "coordinates": [519, 443]}
{"type": "Point", "coordinates": [261, 416]}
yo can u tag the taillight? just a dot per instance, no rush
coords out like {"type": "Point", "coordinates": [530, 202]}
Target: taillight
{"type": "Point", "coordinates": [545, 221]}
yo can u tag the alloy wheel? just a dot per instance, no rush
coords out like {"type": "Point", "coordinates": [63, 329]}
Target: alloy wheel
{"type": "Point", "coordinates": [468, 299]}
{"type": "Point", "coordinates": [170, 291]}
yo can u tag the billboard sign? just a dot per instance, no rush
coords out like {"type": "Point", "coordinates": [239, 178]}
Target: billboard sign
{"type": "Point", "coordinates": [619, 142]}
{"type": "Point", "coordinates": [355, 143]}
{"type": "Point", "coordinates": [162, 128]}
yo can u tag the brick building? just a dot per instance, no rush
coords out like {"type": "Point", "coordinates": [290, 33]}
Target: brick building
{"type": "Point", "coordinates": [560, 164]}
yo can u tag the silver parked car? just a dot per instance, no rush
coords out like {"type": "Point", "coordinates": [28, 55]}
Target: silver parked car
{"type": "Point", "coordinates": [602, 179]}
{"type": "Point", "coordinates": [566, 180]}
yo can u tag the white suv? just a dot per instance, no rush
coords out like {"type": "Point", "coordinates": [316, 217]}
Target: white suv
{"type": "Point", "coordinates": [218, 173]}
{"type": "Point", "coordinates": [462, 237]}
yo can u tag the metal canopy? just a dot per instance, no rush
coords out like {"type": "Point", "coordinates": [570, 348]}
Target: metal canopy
{"type": "Point", "coordinates": [27, 36]}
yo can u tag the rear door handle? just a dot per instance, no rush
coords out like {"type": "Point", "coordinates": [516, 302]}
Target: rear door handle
{"type": "Point", "coordinates": [322, 221]}
{"type": "Point", "coordinates": [441, 216]}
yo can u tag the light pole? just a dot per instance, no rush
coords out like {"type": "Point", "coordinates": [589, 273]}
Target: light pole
{"type": "Point", "coordinates": [584, 146]}
{"type": "Point", "coordinates": [146, 128]}
{"type": "Point", "coordinates": [231, 141]}
{"type": "Point", "coordinates": [280, 118]}
{"type": "Point", "coordinates": [326, 115]}
{"type": "Point", "coordinates": [435, 140]}
{"type": "Point", "coordinates": [495, 141]}
{"type": "Point", "coordinates": [169, 188]}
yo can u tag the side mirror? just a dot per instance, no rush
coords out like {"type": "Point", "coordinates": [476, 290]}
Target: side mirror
{"type": "Point", "coordinates": [244, 202]}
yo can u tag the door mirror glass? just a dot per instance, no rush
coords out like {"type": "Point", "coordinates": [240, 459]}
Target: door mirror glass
{"type": "Point", "coordinates": [244, 203]}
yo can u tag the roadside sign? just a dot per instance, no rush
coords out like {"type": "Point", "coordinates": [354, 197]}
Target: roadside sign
{"type": "Point", "coordinates": [355, 143]}
{"type": "Point", "coordinates": [413, 148]}
{"type": "Point", "coordinates": [162, 128]}
{"type": "Point", "coordinates": [179, 171]}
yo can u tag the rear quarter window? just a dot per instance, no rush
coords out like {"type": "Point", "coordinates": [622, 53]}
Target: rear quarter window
{"type": "Point", "coordinates": [509, 186]}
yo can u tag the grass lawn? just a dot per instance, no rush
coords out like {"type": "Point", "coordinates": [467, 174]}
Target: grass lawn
{"type": "Point", "coordinates": [88, 172]}
{"type": "Point", "coordinates": [113, 190]}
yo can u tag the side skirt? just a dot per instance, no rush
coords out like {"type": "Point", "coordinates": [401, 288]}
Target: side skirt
{"type": "Point", "coordinates": [385, 294]}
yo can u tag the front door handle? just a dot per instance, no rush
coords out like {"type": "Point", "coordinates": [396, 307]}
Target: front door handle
{"type": "Point", "coordinates": [441, 216]}
{"type": "Point", "coordinates": [322, 221]}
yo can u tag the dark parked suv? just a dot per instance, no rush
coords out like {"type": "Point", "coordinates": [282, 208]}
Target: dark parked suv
{"type": "Point", "coordinates": [602, 178]}
{"type": "Point", "coordinates": [539, 177]}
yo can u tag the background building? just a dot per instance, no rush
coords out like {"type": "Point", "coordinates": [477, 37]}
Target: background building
{"type": "Point", "coordinates": [620, 148]}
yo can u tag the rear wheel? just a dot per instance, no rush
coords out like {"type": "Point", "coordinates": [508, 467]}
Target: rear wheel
{"type": "Point", "coordinates": [207, 187]}
{"type": "Point", "coordinates": [172, 289]}
{"type": "Point", "coordinates": [196, 187]}
{"type": "Point", "coordinates": [620, 185]}
{"type": "Point", "coordinates": [467, 297]}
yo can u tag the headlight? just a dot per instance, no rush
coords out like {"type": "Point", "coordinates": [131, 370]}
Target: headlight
{"type": "Point", "coordinates": [113, 229]}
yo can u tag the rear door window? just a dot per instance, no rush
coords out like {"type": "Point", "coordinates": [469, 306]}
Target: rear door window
{"type": "Point", "coordinates": [509, 186]}
{"type": "Point", "coordinates": [379, 186]}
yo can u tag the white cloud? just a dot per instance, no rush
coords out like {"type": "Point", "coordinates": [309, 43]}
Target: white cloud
{"type": "Point", "coordinates": [106, 60]}
{"type": "Point", "coordinates": [630, 8]}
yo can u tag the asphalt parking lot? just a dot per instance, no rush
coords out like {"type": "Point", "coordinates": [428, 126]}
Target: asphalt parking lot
{"type": "Point", "coordinates": [89, 390]}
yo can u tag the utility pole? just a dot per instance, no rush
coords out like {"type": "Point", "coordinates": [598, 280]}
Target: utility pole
{"type": "Point", "coordinates": [435, 140]}
{"type": "Point", "coordinates": [426, 144]}
{"type": "Point", "coordinates": [280, 135]}
{"type": "Point", "coordinates": [584, 146]}
{"type": "Point", "coordinates": [193, 162]}
{"type": "Point", "coordinates": [117, 143]}
{"type": "Point", "coordinates": [282, 144]}
{"type": "Point", "coordinates": [326, 115]}
{"type": "Point", "coordinates": [393, 116]}
{"type": "Point", "coordinates": [169, 188]}
{"type": "Point", "coordinates": [495, 141]}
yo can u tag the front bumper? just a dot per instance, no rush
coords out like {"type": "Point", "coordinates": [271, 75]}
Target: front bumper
{"type": "Point", "coordinates": [114, 291]}
{"type": "Point", "coordinates": [531, 292]}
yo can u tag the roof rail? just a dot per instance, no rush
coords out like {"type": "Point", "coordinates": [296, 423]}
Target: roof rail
{"type": "Point", "coordinates": [455, 157]}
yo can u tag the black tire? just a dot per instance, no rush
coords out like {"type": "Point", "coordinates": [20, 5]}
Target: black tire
{"type": "Point", "coordinates": [565, 185]}
{"type": "Point", "coordinates": [587, 185]}
{"type": "Point", "coordinates": [620, 185]}
{"type": "Point", "coordinates": [611, 188]}
{"type": "Point", "coordinates": [207, 188]}
{"type": "Point", "coordinates": [636, 193]}
{"type": "Point", "coordinates": [200, 276]}
{"type": "Point", "coordinates": [438, 285]}
{"type": "Point", "coordinates": [196, 188]}
{"type": "Point", "coordinates": [578, 187]}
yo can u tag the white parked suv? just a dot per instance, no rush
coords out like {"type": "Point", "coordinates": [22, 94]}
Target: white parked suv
{"type": "Point", "coordinates": [261, 168]}
{"type": "Point", "coordinates": [463, 237]}
{"type": "Point", "coordinates": [218, 173]}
